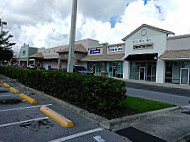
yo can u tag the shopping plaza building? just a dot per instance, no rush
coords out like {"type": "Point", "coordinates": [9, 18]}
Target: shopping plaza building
{"type": "Point", "coordinates": [155, 55]}
{"type": "Point", "coordinates": [147, 54]}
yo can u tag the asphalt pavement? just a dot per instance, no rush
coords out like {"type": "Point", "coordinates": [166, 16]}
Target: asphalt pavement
{"type": "Point", "coordinates": [176, 96]}
{"type": "Point", "coordinates": [22, 121]}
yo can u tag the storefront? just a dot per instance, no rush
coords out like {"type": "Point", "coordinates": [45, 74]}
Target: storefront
{"type": "Point", "coordinates": [177, 72]}
{"type": "Point", "coordinates": [145, 71]}
{"type": "Point", "coordinates": [113, 69]}
{"type": "Point", "coordinates": [142, 48]}
{"type": "Point", "coordinates": [177, 64]}
{"type": "Point", "coordinates": [106, 60]}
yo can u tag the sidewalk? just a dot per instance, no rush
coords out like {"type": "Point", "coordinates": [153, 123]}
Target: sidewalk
{"type": "Point", "coordinates": [170, 126]}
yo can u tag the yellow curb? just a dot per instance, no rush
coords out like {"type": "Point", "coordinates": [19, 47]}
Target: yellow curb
{"type": "Point", "coordinates": [14, 90]}
{"type": "Point", "coordinates": [1, 82]}
{"type": "Point", "coordinates": [61, 120]}
{"type": "Point", "coordinates": [28, 99]}
{"type": "Point", "coordinates": [6, 85]}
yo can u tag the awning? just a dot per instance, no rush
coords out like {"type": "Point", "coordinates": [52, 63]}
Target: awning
{"type": "Point", "coordinates": [100, 58]}
{"type": "Point", "coordinates": [140, 57]}
{"type": "Point", "coordinates": [176, 55]}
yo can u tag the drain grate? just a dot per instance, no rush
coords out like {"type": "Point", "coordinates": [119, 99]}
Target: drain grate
{"type": "Point", "coordinates": [136, 135]}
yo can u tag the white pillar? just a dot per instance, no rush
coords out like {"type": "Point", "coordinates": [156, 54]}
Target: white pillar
{"type": "Point", "coordinates": [126, 70]}
{"type": "Point", "coordinates": [160, 71]}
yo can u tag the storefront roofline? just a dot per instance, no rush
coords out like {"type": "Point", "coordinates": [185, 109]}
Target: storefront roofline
{"type": "Point", "coordinates": [105, 60]}
{"type": "Point", "coordinates": [174, 59]}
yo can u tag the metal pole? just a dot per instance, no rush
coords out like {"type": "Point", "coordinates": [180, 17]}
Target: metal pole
{"type": "Point", "coordinates": [72, 37]}
{"type": "Point", "coordinates": [1, 26]}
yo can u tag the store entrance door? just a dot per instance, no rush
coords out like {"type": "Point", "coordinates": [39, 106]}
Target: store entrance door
{"type": "Point", "coordinates": [114, 69]}
{"type": "Point", "coordinates": [184, 76]}
{"type": "Point", "coordinates": [142, 73]}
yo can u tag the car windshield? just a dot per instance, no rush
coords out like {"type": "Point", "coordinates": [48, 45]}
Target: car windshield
{"type": "Point", "coordinates": [80, 68]}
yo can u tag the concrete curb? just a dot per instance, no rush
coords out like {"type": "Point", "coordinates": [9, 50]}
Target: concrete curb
{"type": "Point", "coordinates": [105, 123]}
{"type": "Point", "coordinates": [183, 138]}
{"type": "Point", "coordinates": [127, 120]}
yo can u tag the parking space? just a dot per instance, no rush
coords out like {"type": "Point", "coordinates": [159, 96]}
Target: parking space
{"type": "Point", "coordinates": [22, 121]}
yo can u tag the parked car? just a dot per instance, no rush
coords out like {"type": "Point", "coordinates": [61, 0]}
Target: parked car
{"type": "Point", "coordinates": [32, 67]}
{"type": "Point", "coordinates": [81, 69]}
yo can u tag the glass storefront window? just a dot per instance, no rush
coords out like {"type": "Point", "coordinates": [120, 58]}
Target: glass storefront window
{"type": "Point", "coordinates": [115, 69]}
{"type": "Point", "coordinates": [143, 71]}
{"type": "Point", "coordinates": [175, 72]}
{"type": "Point", "coordinates": [95, 67]}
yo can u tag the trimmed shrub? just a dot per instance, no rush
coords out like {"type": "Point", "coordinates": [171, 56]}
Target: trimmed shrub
{"type": "Point", "coordinates": [99, 93]}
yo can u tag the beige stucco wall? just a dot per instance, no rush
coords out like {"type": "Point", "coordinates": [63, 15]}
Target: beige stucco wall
{"type": "Point", "coordinates": [116, 46]}
{"type": "Point", "coordinates": [52, 63]}
{"type": "Point", "coordinates": [182, 43]}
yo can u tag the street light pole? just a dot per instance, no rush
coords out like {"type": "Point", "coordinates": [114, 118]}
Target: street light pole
{"type": "Point", "coordinates": [72, 37]}
{"type": "Point", "coordinates": [1, 24]}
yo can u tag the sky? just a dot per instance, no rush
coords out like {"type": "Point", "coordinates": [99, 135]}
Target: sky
{"type": "Point", "coordinates": [46, 23]}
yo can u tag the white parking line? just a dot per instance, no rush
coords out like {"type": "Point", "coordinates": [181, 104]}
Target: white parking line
{"type": "Point", "coordinates": [77, 135]}
{"type": "Point", "coordinates": [20, 122]}
{"type": "Point", "coordinates": [19, 108]}
{"type": "Point", "coordinates": [12, 95]}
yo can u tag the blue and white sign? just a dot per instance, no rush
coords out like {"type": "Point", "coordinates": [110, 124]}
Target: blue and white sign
{"type": "Point", "coordinates": [94, 51]}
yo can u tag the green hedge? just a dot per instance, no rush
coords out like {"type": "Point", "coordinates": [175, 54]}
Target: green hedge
{"type": "Point", "coordinates": [99, 93]}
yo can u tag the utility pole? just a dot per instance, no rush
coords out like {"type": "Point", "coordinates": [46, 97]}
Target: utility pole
{"type": "Point", "coordinates": [72, 37]}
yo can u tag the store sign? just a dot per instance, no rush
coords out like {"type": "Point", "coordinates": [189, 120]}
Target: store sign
{"type": "Point", "coordinates": [94, 51]}
{"type": "Point", "coordinates": [143, 46]}
{"type": "Point", "coordinates": [116, 49]}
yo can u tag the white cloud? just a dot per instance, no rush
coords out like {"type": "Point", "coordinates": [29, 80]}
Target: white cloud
{"type": "Point", "coordinates": [40, 23]}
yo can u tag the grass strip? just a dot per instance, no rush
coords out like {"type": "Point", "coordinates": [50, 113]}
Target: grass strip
{"type": "Point", "coordinates": [140, 105]}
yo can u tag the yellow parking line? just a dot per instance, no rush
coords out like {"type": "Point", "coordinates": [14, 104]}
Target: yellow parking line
{"type": "Point", "coordinates": [14, 90]}
{"type": "Point", "coordinates": [28, 99]}
{"type": "Point", "coordinates": [61, 120]}
{"type": "Point", "coordinates": [6, 85]}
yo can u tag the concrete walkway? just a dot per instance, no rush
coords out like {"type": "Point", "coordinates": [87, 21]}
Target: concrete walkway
{"type": "Point", "coordinates": [170, 126]}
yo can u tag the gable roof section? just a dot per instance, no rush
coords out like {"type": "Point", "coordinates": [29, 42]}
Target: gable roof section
{"type": "Point", "coordinates": [78, 48]}
{"type": "Point", "coordinates": [37, 55]}
{"type": "Point", "coordinates": [150, 27]}
{"type": "Point", "coordinates": [175, 54]}
{"type": "Point", "coordinates": [110, 57]}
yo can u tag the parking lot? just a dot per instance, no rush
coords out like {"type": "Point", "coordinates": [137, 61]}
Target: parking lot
{"type": "Point", "coordinates": [22, 121]}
